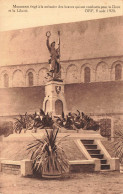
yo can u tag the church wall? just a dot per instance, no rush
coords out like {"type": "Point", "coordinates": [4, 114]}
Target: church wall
{"type": "Point", "coordinates": [101, 69]}
{"type": "Point", "coordinates": [92, 98]}
{"type": "Point", "coordinates": [14, 101]}
{"type": "Point", "coordinates": [95, 98]}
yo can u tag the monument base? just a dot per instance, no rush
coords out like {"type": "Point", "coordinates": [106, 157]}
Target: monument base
{"type": "Point", "coordinates": [55, 79]}
{"type": "Point", "coordinates": [54, 101]}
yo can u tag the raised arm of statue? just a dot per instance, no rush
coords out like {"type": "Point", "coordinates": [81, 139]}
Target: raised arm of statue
{"type": "Point", "coordinates": [58, 49]}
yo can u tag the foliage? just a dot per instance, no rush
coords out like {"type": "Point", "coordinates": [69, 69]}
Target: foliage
{"type": "Point", "coordinates": [71, 121]}
{"type": "Point", "coordinates": [47, 154]}
{"type": "Point", "coordinates": [6, 128]}
{"type": "Point", "coordinates": [34, 121]}
{"type": "Point", "coordinates": [118, 144]}
{"type": "Point", "coordinates": [23, 122]}
{"type": "Point", "coordinates": [77, 121]}
{"type": "Point", "coordinates": [105, 127]}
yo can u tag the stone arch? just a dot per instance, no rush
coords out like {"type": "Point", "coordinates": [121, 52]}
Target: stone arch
{"type": "Point", "coordinates": [4, 79]}
{"type": "Point", "coordinates": [42, 74]}
{"type": "Point", "coordinates": [72, 74]}
{"type": "Point", "coordinates": [18, 78]}
{"type": "Point", "coordinates": [29, 73]}
{"type": "Point", "coordinates": [86, 73]}
{"type": "Point", "coordinates": [117, 75]}
{"type": "Point", "coordinates": [102, 72]}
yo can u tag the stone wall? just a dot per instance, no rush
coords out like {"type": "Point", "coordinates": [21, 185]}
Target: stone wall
{"type": "Point", "coordinates": [82, 168]}
{"type": "Point", "coordinates": [14, 101]}
{"type": "Point", "coordinates": [11, 169]}
{"type": "Point", "coordinates": [100, 70]}
{"type": "Point", "coordinates": [102, 98]}
{"type": "Point", "coordinates": [91, 98]}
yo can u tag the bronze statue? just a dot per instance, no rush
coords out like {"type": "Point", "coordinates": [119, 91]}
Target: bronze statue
{"type": "Point", "coordinates": [54, 61]}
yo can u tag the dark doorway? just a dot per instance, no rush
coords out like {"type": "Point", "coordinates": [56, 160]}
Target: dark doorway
{"type": "Point", "coordinates": [58, 107]}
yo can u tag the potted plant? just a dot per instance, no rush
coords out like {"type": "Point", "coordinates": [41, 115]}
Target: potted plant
{"type": "Point", "coordinates": [48, 156]}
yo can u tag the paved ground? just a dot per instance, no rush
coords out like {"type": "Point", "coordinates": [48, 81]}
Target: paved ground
{"type": "Point", "coordinates": [91, 183]}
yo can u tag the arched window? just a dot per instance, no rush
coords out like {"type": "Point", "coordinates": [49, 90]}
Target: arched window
{"type": "Point", "coordinates": [87, 74]}
{"type": "Point", "coordinates": [102, 72]}
{"type": "Point", "coordinates": [42, 76]}
{"type": "Point", "coordinates": [30, 78]}
{"type": "Point", "coordinates": [6, 80]}
{"type": "Point", "coordinates": [118, 72]}
{"type": "Point", "coordinates": [72, 74]}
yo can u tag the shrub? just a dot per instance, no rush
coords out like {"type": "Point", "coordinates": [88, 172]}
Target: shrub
{"type": "Point", "coordinates": [118, 144]}
{"type": "Point", "coordinates": [105, 127]}
{"type": "Point", "coordinates": [6, 128]}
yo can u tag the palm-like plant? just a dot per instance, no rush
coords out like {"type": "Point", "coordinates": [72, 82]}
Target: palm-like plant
{"type": "Point", "coordinates": [47, 154]}
{"type": "Point", "coordinates": [118, 144]}
{"type": "Point", "coordinates": [23, 122]}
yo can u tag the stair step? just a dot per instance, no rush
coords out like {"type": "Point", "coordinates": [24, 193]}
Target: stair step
{"type": "Point", "coordinates": [93, 151]}
{"type": "Point", "coordinates": [105, 166]}
{"type": "Point", "coordinates": [87, 141]}
{"type": "Point", "coordinates": [103, 161]}
{"type": "Point", "coordinates": [100, 156]}
{"type": "Point", "coordinates": [106, 170]}
{"type": "Point", "coordinates": [89, 146]}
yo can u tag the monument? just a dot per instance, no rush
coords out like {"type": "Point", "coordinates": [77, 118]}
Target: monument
{"type": "Point", "coordinates": [54, 101]}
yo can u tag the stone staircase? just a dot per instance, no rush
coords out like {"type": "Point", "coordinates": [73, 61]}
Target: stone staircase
{"type": "Point", "coordinates": [94, 152]}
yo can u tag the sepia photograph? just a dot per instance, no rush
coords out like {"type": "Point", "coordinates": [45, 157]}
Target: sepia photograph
{"type": "Point", "coordinates": [61, 97]}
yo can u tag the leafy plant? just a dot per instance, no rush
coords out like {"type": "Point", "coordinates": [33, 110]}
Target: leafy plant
{"type": "Point", "coordinates": [6, 128]}
{"type": "Point", "coordinates": [41, 120]}
{"type": "Point", "coordinates": [77, 121]}
{"type": "Point", "coordinates": [23, 122]}
{"type": "Point", "coordinates": [47, 154]}
{"type": "Point", "coordinates": [34, 121]}
{"type": "Point", "coordinates": [118, 144]}
{"type": "Point", "coordinates": [105, 127]}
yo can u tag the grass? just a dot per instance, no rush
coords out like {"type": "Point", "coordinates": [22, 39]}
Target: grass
{"type": "Point", "coordinates": [85, 183]}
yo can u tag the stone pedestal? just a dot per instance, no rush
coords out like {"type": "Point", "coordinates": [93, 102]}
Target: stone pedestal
{"type": "Point", "coordinates": [54, 101]}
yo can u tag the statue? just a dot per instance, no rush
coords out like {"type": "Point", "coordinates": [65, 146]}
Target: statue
{"type": "Point", "coordinates": [54, 61]}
